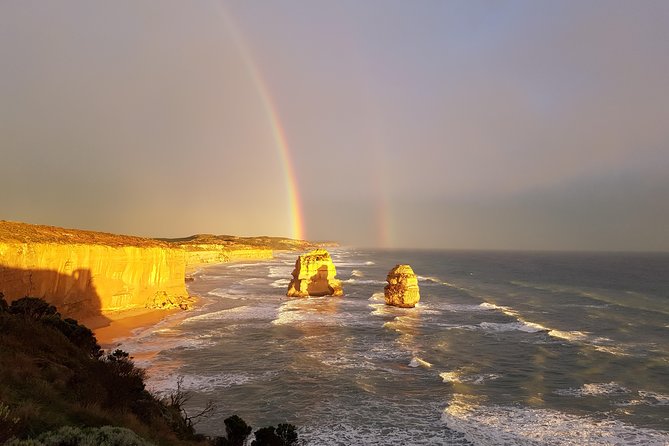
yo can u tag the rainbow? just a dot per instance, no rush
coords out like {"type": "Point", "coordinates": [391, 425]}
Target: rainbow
{"type": "Point", "coordinates": [278, 133]}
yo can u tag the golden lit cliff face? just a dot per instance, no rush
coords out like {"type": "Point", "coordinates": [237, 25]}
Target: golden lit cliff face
{"type": "Point", "coordinates": [85, 273]}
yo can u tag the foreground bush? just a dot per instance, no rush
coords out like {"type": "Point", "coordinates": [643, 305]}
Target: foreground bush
{"type": "Point", "coordinates": [57, 387]}
{"type": "Point", "coordinates": [87, 436]}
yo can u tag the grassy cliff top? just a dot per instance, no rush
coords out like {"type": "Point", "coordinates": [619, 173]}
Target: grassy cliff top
{"type": "Point", "coordinates": [234, 242]}
{"type": "Point", "coordinates": [15, 232]}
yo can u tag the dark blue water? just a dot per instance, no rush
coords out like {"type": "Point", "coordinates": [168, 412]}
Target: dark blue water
{"type": "Point", "coordinates": [504, 348]}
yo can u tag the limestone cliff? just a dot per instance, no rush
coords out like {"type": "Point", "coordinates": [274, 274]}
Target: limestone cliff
{"type": "Point", "coordinates": [86, 273]}
{"type": "Point", "coordinates": [402, 289]}
{"type": "Point", "coordinates": [202, 254]}
{"type": "Point", "coordinates": [202, 249]}
{"type": "Point", "coordinates": [314, 275]}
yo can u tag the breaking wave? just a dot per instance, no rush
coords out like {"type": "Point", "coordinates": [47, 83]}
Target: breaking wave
{"type": "Point", "coordinates": [504, 425]}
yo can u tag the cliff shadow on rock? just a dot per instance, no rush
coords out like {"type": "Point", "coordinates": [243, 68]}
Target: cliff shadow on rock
{"type": "Point", "coordinates": [74, 295]}
{"type": "Point", "coordinates": [319, 283]}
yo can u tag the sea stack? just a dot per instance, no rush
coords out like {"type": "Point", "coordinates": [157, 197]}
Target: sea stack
{"type": "Point", "coordinates": [402, 289]}
{"type": "Point", "coordinates": [314, 275]}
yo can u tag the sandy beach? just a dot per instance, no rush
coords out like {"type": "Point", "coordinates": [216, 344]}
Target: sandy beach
{"type": "Point", "coordinates": [111, 328]}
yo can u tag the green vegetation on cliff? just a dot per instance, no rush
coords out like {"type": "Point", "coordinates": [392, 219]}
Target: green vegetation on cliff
{"type": "Point", "coordinates": [58, 387]}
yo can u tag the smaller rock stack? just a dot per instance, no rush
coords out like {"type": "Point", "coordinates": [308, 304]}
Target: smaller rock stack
{"type": "Point", "coordinates": [402, 289]}
{"type": "Point", "coordinates": [314, 275]}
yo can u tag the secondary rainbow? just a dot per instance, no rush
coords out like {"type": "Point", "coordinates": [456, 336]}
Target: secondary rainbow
{"type": "Point", "coordinates": [278, 133]}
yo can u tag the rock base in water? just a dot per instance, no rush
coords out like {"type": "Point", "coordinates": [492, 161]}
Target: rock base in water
{"type": "Point", "coordinates": [314, 275]}
{"type": "Point", "coordinates": [402, 289]}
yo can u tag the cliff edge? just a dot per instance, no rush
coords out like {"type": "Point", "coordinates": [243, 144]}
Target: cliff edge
{"type": "Point", "coordinates": [86, 273]}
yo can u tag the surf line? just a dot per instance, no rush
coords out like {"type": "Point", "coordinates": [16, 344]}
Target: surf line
{"type": "Point", "coordinates": [278, 132]}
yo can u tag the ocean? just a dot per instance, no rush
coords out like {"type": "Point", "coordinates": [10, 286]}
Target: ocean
{"type": "Point", "coordinates": [504, 348]}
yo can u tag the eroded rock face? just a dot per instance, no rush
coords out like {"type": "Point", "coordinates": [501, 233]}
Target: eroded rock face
{"type": "Point", "coordinates": [402, 289]}
{"type": "Point", "coordinates": [85, 273]}
{"type": "Point", "coordinates": [314, 275]}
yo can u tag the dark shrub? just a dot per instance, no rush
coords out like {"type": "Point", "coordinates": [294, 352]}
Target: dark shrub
{"type": "Point", "coordinates": [78, 334]}
{"type": "Point", "coordinates": [266, 436]}
{"type": "Point", "coordinates": [284, 435]}
{"type": "Point", "coordinates": [236, 430]}
{"type": "Point", "coordinates": [287, 433]}
{"type": "Point", "coordinates": [32, 307]}
{"type": "Point", "coordinates": [4, 307]}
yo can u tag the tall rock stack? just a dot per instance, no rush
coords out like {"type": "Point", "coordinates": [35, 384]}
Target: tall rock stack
{"type": "Point", "coordinates": [402, 289]}
{"type": "Point", "coordinates": [314, 275]}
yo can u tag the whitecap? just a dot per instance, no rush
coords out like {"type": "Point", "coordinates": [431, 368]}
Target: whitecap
{"type": "Point", "coordinates": [364, 281]}
{"type": "Point", "coordinates": [594, 389]}
{"type": "Point", "coordinates": [165, 384]}
{"type": "Point", "coordinates": [243, 265]}
{"type": "Point", "coordinates": [493, 425]}
{"type": "Point", "coordinates": [236, 313]}
{"type": "Point", "coordinates": [280, 283]}
{"type": "Point", "coordinates": [569, 335]}
{"type": "Point", "coordinates": [527, 327]}
{"type": "Point", "coordinates": [429, 279]}
{"type": "Point", "coordinates": [418, 362]}
{"type": "Point", "coordinates": [450, 377]}
{"type": "Point", "coordinates": [279, 272]}
{"type": "Point", "coordinates": [378, 297]}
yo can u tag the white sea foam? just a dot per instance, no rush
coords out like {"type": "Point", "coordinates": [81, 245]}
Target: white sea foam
{"type": "Point", "coordinates": [458, 308]}
{"type": "Point", "coordinates": [364, 281]}
{"type": "Point", "coordinates": [226, 293]}
{"type": "Point", "coordinates": [461, 376]}
{"type": "Point", "coordinates": [429, 279]}
{"type": "Point", "coordinates": [344, 432]}
{"type": "Point", "coordinates": [611, 350]}
{"type": "Point", "coordinates": [279, 272]}
{"type": "Point", "coordinates": [321, 311]}
{"type": "Point", "coordinates": [569, 335]}
{"type": "Point", "coordinates": [166, 383]}
{"type": "Point", "coordinates": [244, 265]}
{"type": "Point", "coordinates": [650, 399]}
{"type": "Point", "coordinates": [253, 281]}
{"type": "Point", "coordinates": [450, 377]}
{"type": "Point", "coordinates": [503, 425]}
{"type": "Point", "coordinates": [378, 297]}
{"type": "Point", "coordinates": [280, 283]}
{"type": "Point", "coordinates": [357, 273]}
{"type": "Point", "coordinates": [382, 310]}
{"type": "Point", "coordinates": [418, 362]}
{"type": "Point", "coordinates": [594, 389]}
{"type": "Point", "coordinates": [342, 362]}
{"type": "Point", "coordinates": [236, 313]}
{"type": "Point", "coordinates": [527, 327]}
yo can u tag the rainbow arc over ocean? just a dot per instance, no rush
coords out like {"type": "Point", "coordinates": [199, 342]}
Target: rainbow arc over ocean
{"type": "Point", "coordinates": [278, 133]}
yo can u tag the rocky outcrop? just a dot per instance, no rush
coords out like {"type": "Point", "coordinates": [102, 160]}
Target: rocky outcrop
{"type": "Point", "coordinates": [87, 273]}
{"type": "Point", "coordinates": [402, 289]}
{"type": "Point", "coordinates": [314, 275]}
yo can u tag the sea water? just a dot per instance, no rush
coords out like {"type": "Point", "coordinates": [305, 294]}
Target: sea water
{"type": "Point", "coordinates": [503, 349]}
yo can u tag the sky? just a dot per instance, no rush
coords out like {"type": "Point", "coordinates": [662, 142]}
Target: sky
{"type": "Point", "coordinates": [531, 125]}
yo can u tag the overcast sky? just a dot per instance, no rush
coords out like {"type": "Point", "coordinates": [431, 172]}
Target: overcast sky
{"type": "Point", "coordinates": [428, 124]}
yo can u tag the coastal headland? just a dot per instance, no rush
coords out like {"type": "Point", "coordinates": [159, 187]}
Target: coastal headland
{"type": "Point", "coordinates": [115, 283]}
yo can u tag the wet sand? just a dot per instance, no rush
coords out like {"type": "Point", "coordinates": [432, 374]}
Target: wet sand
{"type": "Point", "coordinates": [111, 328]}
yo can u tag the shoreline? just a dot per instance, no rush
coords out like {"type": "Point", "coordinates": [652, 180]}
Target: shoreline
{"type": "Point", "coordinates": [111, 329]}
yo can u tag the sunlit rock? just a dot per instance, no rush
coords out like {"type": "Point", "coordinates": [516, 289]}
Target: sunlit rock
{"type": "Point", "coordinates": [86, 273]}
{"type": "Point", "coordinates": [402, 289]}
{"type": "Point", "coordinates": [314, 275]}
